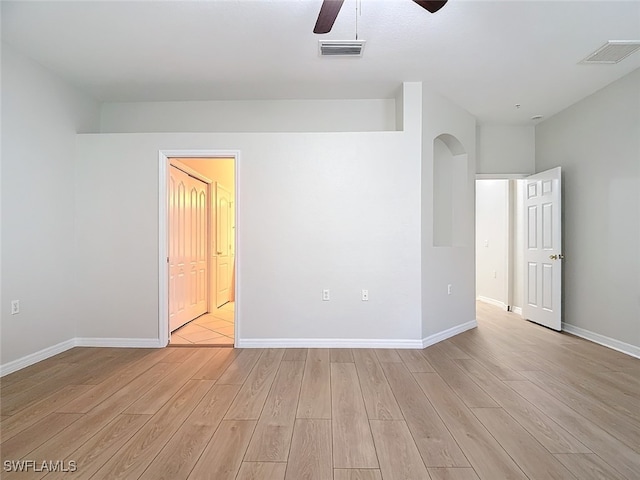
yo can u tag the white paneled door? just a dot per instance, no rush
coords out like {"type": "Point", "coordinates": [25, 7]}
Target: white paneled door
{"type": "Point", "coordinates": [543, 249]}
{"type": "Point", "coordinates": [187, 248]}
{"type": "Point", "coordinates": [224, 245]}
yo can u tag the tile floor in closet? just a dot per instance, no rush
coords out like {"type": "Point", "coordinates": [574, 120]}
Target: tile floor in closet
{"type": "Point", "coordinates": [214, 328]}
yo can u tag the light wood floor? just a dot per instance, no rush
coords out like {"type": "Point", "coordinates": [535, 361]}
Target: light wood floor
{"type": "Point", "coordinates": [508, 400]}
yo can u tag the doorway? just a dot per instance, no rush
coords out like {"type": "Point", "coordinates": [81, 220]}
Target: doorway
{"type": "Point", "coordinates": [499, 241]}
{"type": "Point", "coordinates": [216, 324]}
{"type": "Point", "coordinates": [519, 245]}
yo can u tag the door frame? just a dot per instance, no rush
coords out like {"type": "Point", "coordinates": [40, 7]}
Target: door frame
{"type": "Point", "coordinates": [163, 234]}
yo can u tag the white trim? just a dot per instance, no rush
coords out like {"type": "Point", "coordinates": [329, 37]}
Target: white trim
{"type": "Point", "coordinates": [612, 343]}
{"type": "Point", "coordinates": [491, 301]}
{"type": "Point", "coordinates": [36, 357]}
{"type": "Point", "coordinates": [240, 343]}
{"type": "Point", "coordinates": [49, 352]}
{"type": "Point", "coordinates": [353, 342]}
{"type": "Point", "coordinates": [163, 241]}
{"type": "Point", "coordinates": [326, 343]}
{"type": "Point", "coordinates": [163, 248]}
{"type": "Point", "coordinates": [517, 310]}
{"type": "Point", "coordinates": [119, 342]}
{"type": "Point", "coordinates": [450, 332]}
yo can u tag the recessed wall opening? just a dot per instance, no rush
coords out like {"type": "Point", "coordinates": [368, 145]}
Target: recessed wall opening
{"type": "Point", "coordinates": [450, 192]}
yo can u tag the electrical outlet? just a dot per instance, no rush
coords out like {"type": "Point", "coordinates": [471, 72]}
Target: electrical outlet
{"type": "Point", "coordinates": [449, 289]}
{"type": "Point", "coordinates": [326, 296]}
{"type": "Point", "coordinates": [15, 307]}
{"type": "Point", "coordinates": [365, 295]}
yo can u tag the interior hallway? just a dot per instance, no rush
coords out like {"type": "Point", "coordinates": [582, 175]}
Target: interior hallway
{"type": "Point", "coordinates": [211, 329]}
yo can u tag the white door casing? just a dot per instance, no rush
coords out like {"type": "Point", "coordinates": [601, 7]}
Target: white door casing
{"type": "Point", "coordinates": [543, 249]}
{"type": "Point", "coordinates": [187, 248]}
{"type": "Point", "coordinates": [224, 247]}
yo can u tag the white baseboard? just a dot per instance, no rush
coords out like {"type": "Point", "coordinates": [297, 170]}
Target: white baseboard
{"type": "Point", "coordinates": [36, 357]}
{"type": "Point", "coordinates": [612, 343]}
{"type": "Point", "coordinates": [451, 332]}
{"type": "Point", "coordinates": [48, 352]}
{"type": "Point", "coordinates": [326, 343]}
{"type": "Point", "coordinates": [118, 342]}
{"type": "Point", "coordinates": [492, 301]}
{"type": "Point", "coordinates": [500, 304]}
{"type": "Point", "coordinates": [241, 343]}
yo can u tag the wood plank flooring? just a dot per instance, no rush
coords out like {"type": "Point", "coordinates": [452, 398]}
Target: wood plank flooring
{"type": "Point", "coordinates": [508, 400]}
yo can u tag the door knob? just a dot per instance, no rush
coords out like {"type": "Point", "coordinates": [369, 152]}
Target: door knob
{"type": "Point", "coordinates": [556, 257]}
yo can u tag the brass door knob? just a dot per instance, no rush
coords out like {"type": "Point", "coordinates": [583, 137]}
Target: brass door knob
{"type": "Point", "coordinates": [556, 257]}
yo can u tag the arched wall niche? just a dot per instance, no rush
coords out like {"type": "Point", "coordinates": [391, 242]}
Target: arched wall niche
{"type": "Point", "coordinates": [454, 145]}
{"type": "Point", "coordinates": [450, 192]}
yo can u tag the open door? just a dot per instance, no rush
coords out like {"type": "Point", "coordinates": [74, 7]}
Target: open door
{"type": "Point", "coordinates": [224, 245]}
{"type": "Point", "coordinates": [543, 249]}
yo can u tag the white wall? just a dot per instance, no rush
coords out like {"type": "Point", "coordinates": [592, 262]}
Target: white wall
{"type": "Point", "coordinates": [505, 149]}
{"type": "Point", "coordinates": [597, 143]}
{"type": "Point", "coordinates": [492, 234]}
{"type": "Point", "coordinates": [446, 265]}
{"type": "Point", "coordinates": [344, 211]}
{"type": "Point", "coordinates": [314, 211]}
{"type": "Point", "coordinates": [40, 117]}
{"type": "Point", "coordinates": [251, 116]}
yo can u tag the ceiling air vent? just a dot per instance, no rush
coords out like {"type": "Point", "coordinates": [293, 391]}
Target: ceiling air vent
{"type": "Point", "coordinates": [341, 48]}
{"type": "Point", "coordinates": [613, 51]}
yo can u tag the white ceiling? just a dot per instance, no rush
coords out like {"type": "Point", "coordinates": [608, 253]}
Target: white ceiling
{"type": "Point", "coordinates": [486, 56]}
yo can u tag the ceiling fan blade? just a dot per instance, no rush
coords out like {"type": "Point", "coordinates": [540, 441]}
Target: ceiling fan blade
{"type": "Point", "coordinates": [328, 14]}
{"type": "Point", "coordinates": [432, 6]}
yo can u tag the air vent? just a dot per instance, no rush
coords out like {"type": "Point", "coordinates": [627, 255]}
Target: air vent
{"type": "Point", "coordinates": [613, 51]}
{"type": "Point", "coordinates": [341, 48]}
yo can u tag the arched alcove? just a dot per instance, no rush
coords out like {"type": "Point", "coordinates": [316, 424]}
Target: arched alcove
{"type": "Point", "coordinates": [450, 192]}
